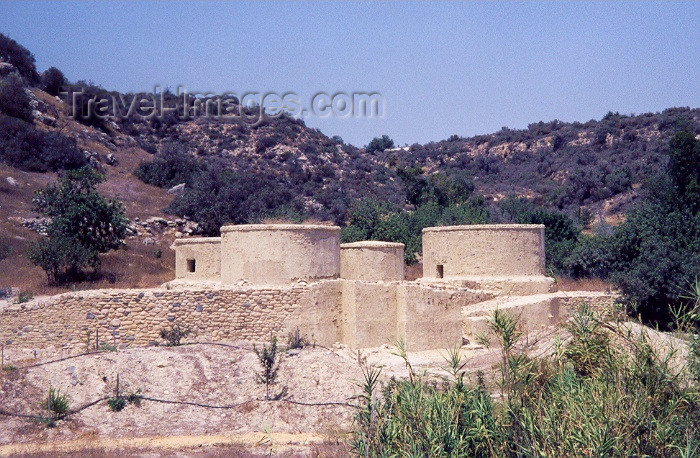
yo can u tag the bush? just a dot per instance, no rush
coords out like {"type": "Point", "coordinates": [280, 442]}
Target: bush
{"type": "Point", "coordinates": [25, 147]}
{"type": "Point", "coordinates": [20, 57]}
{"type": "Point", "coordinates": [267, 356]}
{"type": "Point", "coordinates": [379, 144]}
{"type": "Point", "coordinates": [14, 100]}
{"type": "Point", "coordinates": [296, 341]}
{"type": "Point", "coordinates": [5, 250]}
{"type": "Point", "coordinates": [56, 404]}
{"type": "Point", "coordinates": [606, 393]}
{"type": "Point", "coordinates": [52, 81]}
{"type": "Point", "coordinates": [561, 235]}
{"type": "Point", "coordinates": [61, 257]}
{"type": "Point", "coordinates": [220, 196]}
{"type": "Point", "coordinates": [83, 225]}
{"type": "Point", "coordinates": [174, 335]}
{"type": "Point", "coordinates": [25, 296]}
{"type": "Point", "coordinates": [591, 258]}
{"type": "Point", "coordinates": [168, 170]}
{"type": "Point", "coordinates": [116, 404]}
{"type": "Point", "coordinates": [372, 220]}
{"type": "Point", "coordinates": [656, 258]}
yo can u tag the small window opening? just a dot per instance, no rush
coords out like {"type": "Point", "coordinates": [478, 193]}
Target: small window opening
{"type": "Point", "coordinates": [440, 271]}
{"type": "Point", "coordinates": [191, 265]}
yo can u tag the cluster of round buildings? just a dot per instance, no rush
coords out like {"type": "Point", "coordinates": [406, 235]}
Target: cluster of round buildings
{"type": "Point", "coordinates": [278, 254]}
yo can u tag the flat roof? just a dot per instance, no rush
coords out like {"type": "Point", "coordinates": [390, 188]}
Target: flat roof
{"type": "Point", "coordinates": [279, 227]}
{"type": "Point", "coordinates": [371, 244]}
{"type": "Point", "coordinates": [195, 240]}
{"type": "Point", "coordinates": [483, 227]}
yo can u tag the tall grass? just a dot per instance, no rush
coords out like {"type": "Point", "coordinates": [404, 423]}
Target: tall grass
{"type": "Point", "coordinates": [606, 392]}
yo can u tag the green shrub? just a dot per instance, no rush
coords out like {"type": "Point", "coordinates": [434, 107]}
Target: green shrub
{"type": "Point", "coordinates": [25, 296]}
{"type": "Point", "coordinates": [60, 257]}
{"type": "Point", "coordinates": [296, 341]}
{"type": "Point", "coordinates": [174, 335]}
{"type": "Point", "coordinates": [267, 356]}
{"type": "Point", "coordinates": [56, 404]}
{"type": "Point", "coordinates": [379, 144]}
{"type": "Point", "coordinates": [372, 220]}
{"type": "Point", "coordinates": [5, 250]}
{"type": "Point", "coordinates": [20, 57]}
{"type": "Point", "coordinates": [116, 404]}
{"type": "Point", "coordinates": [83, 225]}
{"type": "Point", "coordinates": [104, 346]}
{"type": "Point", "coordinates": [14, 101]}
{"type": "Point", "coordinates": [25, 147]}
{"type": "Point", "coordinates": [168, 170]}
{"type": "Point", "coordinates": [606, 393]}
{"type": "Point", "coordinates": [52, 81]}
{"type": "Point", "coordinates": [560, 233]}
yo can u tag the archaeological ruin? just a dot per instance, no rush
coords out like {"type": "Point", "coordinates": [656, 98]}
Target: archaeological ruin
{"type": "Point", "coordinates": [261, 280]}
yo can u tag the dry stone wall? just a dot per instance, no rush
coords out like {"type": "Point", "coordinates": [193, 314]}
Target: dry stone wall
{"type": "Point", "coordinates": [70, 322]}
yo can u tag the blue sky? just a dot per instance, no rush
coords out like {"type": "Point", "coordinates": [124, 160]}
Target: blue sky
{"type": "Point", "coordinates": [445, 68]}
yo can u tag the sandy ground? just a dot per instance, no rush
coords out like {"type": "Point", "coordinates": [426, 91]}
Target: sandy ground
{"type": "Point", "coordinates": [207, 374]}
{"type": "Point", "coordinates": [218, 375]}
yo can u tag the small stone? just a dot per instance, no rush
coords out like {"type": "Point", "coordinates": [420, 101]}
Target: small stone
{"type": "Point", "coordinates": [90, 316]}
{"type": "Point", "coordinates": [177, 189]}
{"type": "Point", "coordinates": [199, 308]}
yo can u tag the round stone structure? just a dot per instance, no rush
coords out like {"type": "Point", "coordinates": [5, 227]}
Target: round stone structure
{"type": "Point", "coordinates": [372, 261]}
{"type": "Point", "coordinates": [198, 258]}
{"type": "Point", "coordinates": [279, 254]}
{"type": "Point", "coordinates": [483, 250]}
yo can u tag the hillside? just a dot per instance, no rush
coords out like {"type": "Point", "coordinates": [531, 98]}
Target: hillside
{"type": "Point", "coordinates": [597, 165]}
{"type": "Point", "coordinates": [231, 170]}
{"type": "Point", "coordinates": [137, 264]}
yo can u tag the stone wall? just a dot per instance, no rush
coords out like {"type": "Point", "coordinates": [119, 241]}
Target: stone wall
{"type": "Point", "coordinates": [135, 317]}
{"type": "Point", "coordinates": [355, 313]}
{"type": "Point", "coordinates": [278, 254]}
{"type": "Point", "coordinates": [198, 258]}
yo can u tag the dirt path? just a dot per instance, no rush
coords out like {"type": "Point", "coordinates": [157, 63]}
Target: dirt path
{"type": "Point", "coordinates": [271, 441]}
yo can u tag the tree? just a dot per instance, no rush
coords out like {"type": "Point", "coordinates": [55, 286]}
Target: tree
{"type": "Point", "coordinates": [267, 356]}
{"type": "Point", "coordinates": [378, 144]}
{"type": "Point", "coordinates": [655, 253]}
{"type": "Point", "coordinates": [684, 167]}
{"type": "Point", "coordinates": [14, 100]}
{"type": "Point", "coordinates": [83, 225]}
{"type": "Point", "coordinates": [52, 80]}
{"type": "Point", "coordinates": [19, 56]}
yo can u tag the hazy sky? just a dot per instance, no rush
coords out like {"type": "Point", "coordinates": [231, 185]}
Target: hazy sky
{"type": "Point", "coordinates": [445, 68]}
